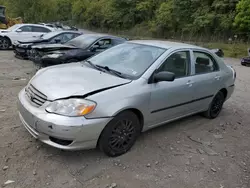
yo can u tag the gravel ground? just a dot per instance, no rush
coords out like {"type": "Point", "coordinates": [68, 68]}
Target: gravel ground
{"type": "Point", "coordinates": [191, 153]}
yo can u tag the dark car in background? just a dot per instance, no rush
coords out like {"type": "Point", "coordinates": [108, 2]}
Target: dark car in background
{"type": "Point", "coordinates": [22, 47]}
{"type": "Point", "coordinates": [245, 61]}
{"type": "Point", "coordinates": [78, 49]}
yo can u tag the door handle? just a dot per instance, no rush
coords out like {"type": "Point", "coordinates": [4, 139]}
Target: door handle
{"type": "Point", "coordinates": [217, 77]}
{"type": "Point", "coordinates": [190, 83]}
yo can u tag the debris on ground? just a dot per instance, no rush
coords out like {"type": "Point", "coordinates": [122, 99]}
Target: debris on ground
{"type": "Point", "coordinates": [225, 154]}
{"type": "Point", "coordinates": [200, 151]}
{"type": "Point", "coordinates": [210, 152]}
{"type": "Point", "coordinates": [195, 140]}
{"type": "Point", "coordinates": [213, 169]}
{"type": "Point", "coordinates": [2, 110]}
{"type": "Point", "coordinates": [34, 172]}
{"type": "Point", "coordinates": [218, 136]}
{"type": "Point", "coordinates": [113, 185]}
{"type": "Point", "coordinates": [9, 182]}
{"type": "Point", "coordinates": [18, 78]}
{"type": "Point", "coordinates": [5, 167]}
{"type": "Point", "coordinates": [148, 165]}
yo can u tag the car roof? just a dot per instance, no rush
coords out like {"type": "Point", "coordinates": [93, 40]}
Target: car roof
{"type": "Point", "coordinates": [66, 31]}
{"type": "Point", "coordinates": [97, 35]}
{"type": "Point", "coordinates": [164, 44]}
{"type": "Point", "coordinates": [39, 25]}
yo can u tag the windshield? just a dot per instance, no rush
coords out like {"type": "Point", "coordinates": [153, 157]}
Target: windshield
{"type": "Point", "coordinates": [13, 27]}
{"type": "Point", "coordinates": [49, 35]}
{"type": "Point", "coordinates": [128, 58]}
{"type": "Point", "coordinates": [83, 41]}
{"type": "Point", "coordinates": [2, 11]}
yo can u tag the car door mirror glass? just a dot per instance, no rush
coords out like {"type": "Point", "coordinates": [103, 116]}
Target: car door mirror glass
{"type": "Point", "coordinates": [18, 30]}
{"type": "Point", "coordinates": [164, 77]}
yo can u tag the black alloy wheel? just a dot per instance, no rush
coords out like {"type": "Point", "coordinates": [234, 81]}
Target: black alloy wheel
{"type": "Point", "coordinates": [120, 134]}
{"type": "Point", "coordinates": [215, 106]}
{"type": "Point", "coordinates": [4, 43]}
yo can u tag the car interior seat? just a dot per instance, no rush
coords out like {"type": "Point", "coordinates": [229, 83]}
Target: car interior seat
{"type": "Point", "coordinates": [202, 65]}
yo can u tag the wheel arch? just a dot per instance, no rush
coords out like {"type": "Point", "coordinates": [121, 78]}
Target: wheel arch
{"type": "Point", "coordinates": [225, 92]}
{"type": "Point", "coordinates": [137, 112]}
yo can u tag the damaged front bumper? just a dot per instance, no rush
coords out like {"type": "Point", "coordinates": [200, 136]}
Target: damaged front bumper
{"type": "Point", "coordinates": [67, 133]}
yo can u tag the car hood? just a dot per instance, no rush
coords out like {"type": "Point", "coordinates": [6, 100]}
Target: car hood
{"type": "Point", "coordinates": [28, 41]}
{"type": "Point", "coordinates": [75, 79]}
{"type": "Point", "coordinates": [52, 47]}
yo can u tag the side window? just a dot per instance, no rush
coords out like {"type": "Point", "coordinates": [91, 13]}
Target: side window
{"type": "Point", "coordinates": [117, 41]}
{"type": "Point", "coordinates": [40, 29]}
{"type": "Point", "coordinates": [103, 44]}
{"type": "Point", "coordinates": [178, 63]}
{"type": "Point", "coordinates": [204, 63]}
{"type": "Point", "coordinates": [67, 37]}
{"type": "Point", "coordinates": [57, 39]}
{"type": "Point", "coordinates": [26, 29]}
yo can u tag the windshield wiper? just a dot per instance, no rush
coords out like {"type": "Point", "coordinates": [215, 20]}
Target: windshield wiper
{"type": "Point", "coordinates": [93, 65]}
{"type": "Point", "coordinates": [105, 68]}
{"type": "Point", "coordinates": [117, 73]}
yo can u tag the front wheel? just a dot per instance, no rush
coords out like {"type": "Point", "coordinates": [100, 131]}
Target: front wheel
{"type": "Point", "coordinates": [120, 134]}
{"type": "Point", "coordinates": [4, 43]}
{"type": "Point", "coordinates": [215, 106]}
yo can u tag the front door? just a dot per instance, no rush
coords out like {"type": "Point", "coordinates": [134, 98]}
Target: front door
{"type": "Point", "coordinates": [23, 32]}
{"type": "Point", "coordinates": [170, 100]}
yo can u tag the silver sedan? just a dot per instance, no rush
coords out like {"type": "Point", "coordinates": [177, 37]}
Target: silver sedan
{"type": "Point", "coordinates": [109, 99]}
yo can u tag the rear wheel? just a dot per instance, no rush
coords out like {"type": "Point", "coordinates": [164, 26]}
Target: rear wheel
{"type": "Point", "coordinates": [120, 134]}
{"type": "Point", "coordinates": [4, 43]}
{"type": "Point", "coordinates": [215, 106]}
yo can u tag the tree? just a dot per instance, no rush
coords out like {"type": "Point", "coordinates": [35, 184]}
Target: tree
{"type": "Point", "coordinates": [242, 19]}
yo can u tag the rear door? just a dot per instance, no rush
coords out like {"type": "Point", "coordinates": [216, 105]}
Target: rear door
{"type": "Point", "coordinates": [207, 78]}
{"type": "Point", "coordinates": [170, 100]}
{"type": "Point", "coordinates": [39, 30]}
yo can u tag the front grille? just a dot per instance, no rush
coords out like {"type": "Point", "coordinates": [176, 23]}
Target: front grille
{"type": "Point", "coordinates": [35, 96]}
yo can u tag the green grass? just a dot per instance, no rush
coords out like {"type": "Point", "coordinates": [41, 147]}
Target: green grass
{"type": "Point", "coordinates": [236, 50]}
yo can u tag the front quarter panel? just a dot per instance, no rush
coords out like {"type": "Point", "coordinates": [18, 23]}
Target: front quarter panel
{"type": "Point", "coordinates": [134, 95]}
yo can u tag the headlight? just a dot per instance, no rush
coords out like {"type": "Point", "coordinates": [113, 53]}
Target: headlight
{"type": "Point", "coordinates": [54, 55]}
{"type": "Point", "coordinates": [71, 107]}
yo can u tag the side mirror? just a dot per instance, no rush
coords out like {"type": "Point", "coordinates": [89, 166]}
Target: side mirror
{"type": "Point", "coordinates": [164, 77]}
{"type": "Point", "coordinates": [19, 30]}
{"type": "Point", "coordinates": [57, 40]}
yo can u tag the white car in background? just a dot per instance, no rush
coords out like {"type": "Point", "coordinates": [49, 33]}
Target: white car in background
{"type": "Point", "coordinates": [20, 32]}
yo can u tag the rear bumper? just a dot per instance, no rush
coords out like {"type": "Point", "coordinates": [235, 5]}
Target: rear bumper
{"type": "Point", "coordinates": [230, 91]}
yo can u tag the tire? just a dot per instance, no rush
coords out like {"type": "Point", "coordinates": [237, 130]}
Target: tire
{"type": "Point", "coordinates": [215, 106]}
{"type": "Point", "coordinates": [120, 134]}
{"type": "Point", "coordinates": [5, 43]}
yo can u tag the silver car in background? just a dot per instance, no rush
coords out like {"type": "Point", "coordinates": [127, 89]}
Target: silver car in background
{"type": "Point", "coordinates": [109, 99]}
